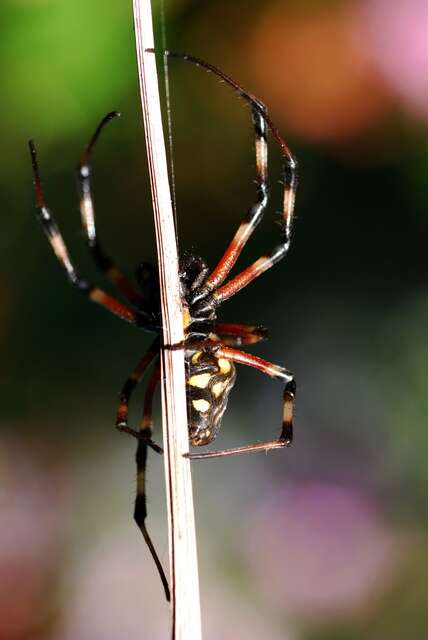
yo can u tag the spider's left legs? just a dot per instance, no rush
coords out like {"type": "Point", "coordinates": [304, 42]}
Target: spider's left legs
{"type": "Point", "coordinates": [52, 232]}
{"type": "Point", "coordinates": [128, 388]}
{"type": "Point", "coordinates": [103, 262]}
{"type": "Point", "coordinates": [140, 511]}
{"type": "Point", "coordinates": [286, 437]}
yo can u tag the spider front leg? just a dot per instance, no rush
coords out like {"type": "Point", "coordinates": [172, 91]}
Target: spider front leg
{"type": "Point", "coordinates": [46, 219]}
{"type": "Point", "coordinates": [255, 213]}
{"type": "Point", "coordinates": [87, 211]}
{"type": "Point", "coordinates": [274, 371]}
{"type": "Point", "coordinates": [262, 122]}
{"type": "Point", "coordinates": [140, 511]}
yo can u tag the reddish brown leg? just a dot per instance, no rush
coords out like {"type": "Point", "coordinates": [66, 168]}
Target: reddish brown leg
{"type": "Point", "coordinates": [147, 420]}
{"type": "Point", "coordinates": [250, 273]}
{"type": "Point", "coordinates": [236, 335]}
{"type": "Point", "coordinates": [261, 121]}
{"type": "Point", "coordinates": [103, 262]}
{"type": "Point", "coordinates": [286, 436]}
{"type": "Point", "coordinates": [266, 262]}
{"type": "Point", "coordinates": [140, 512]}
{"type": "Point", "coordinates": [57, 243]}
{"type": "Point", "coordinates": [255, 213]}
{"type": "Point", "coordinates": [129, 387]}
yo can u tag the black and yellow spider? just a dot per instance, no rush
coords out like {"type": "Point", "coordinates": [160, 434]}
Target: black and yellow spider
{"type": "Point", "coordinates": [210, 347]}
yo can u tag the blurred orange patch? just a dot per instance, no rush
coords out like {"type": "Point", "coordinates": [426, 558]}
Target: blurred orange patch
{"type": "Point", "coordinates": [308, 69]}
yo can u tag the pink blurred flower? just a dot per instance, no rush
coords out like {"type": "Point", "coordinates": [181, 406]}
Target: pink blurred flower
{"type": "Point", "coordinates": [31, 539]}
{"type": "Point", "coordinates": [318, 549]}
{"type": "Point", "coordinates": [309, 71]}
{"type": "Point", "coordinates": [117, 594]}
{"type": "Point", "coordinates": [395, 36]}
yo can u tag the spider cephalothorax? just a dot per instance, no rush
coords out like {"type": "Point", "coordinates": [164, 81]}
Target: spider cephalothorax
{"type": "Point", "coordinates": [210, 348]}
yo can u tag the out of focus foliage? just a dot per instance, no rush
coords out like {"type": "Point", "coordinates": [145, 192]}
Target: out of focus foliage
{"type": "Point", "coordinates": [328, 539]}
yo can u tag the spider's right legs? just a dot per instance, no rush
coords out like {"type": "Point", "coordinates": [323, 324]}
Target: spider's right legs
{"type": "Point", "coordinates": [262, 122]}
{"type": "Point", "coordinates": [103, 262]}
{"type": "Point", "coordinates": [140, 512]}
{"type": "Point", "coordinates": [236, 335]}
{"type": "Point", "coordinates": [255, 213]}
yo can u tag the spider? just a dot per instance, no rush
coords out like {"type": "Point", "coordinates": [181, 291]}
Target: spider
{"type": "Point", "coordinates": [210, 347]}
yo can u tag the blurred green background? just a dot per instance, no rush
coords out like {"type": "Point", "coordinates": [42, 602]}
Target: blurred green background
{"type": "Point", "coordinates": [328, 539]}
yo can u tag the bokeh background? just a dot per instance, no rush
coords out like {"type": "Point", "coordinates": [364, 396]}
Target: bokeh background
{"type": "Point", "coordinates": [328, 539]}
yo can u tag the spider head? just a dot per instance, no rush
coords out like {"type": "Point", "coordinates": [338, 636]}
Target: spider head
{"type": "Point", "coordinates": [193, 271]}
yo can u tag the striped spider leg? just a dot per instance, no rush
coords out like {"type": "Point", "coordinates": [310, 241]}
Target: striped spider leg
{"type": "Point", "coordinates": [87, 211]}
{"type": "Point", "coordinates": [261, 122]}
{"type": "Point", "coordinates": [128, 388]}
{"type": "Point", "coordinates": [236, 335]}
{"type": "Point", "coordinates": [213, 291]}
{"type": "Point", "coordinates": [144, 436]}
{"type": "Point", "coordinates": [144, 440]}
{"type": "Point", "coordinates": [137, 317]}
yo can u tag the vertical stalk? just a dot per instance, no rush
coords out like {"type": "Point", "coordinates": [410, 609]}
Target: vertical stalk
{"type": "Point", "coordinates": [182, 538]}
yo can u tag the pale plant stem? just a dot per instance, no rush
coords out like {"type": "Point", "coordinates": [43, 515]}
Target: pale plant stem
{"type": "Point", "coordinates": [182, 538]}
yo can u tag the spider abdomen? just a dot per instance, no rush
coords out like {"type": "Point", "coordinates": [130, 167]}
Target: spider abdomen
{"type": "Point", "coordinates": [209, 381]}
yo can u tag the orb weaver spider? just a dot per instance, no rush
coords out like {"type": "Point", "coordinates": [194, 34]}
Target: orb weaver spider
{"type": "Point", "coordinates": [210, 347]}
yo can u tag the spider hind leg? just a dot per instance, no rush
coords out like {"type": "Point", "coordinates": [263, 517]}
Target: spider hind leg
{"type": "Point", "coordinates": [140, 510]}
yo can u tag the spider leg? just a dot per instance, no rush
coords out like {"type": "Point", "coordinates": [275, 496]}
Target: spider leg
{"type": "Point", "coordinates": [235, 335]}
{"type": "Point", "coordinates": [273, 370]}
{"type": "Point", "coordinates": [128, 388]}
{"type": "Point", "coordinates": [57, 243]}
{"type": "Point", "coordinates": [146, 423]}
{"type": "Point", "coordinates": [103, 262]}
{"type": "Point", "coordinates": [253, 271]}
{"type": "Point", "coordinates": [255, 213]}
{"type": "Point", "coordinates": [222, 270]}
{"type": "Point", "coordinates": [140, 512]}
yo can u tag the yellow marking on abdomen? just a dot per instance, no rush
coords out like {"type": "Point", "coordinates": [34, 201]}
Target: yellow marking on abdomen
{"type": "Point", "coordinates": [218, 388]}
{"type": "Point", "coordinates": [196, 357]}
{"type": "Point", "coordinates": [224, 365]}
{"type": "Point", "coordinates": [186, 318]}
{"type": "Point", "coordinates": [201, 380]}
{"type": "Point", "coordinates": [201, 405]}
